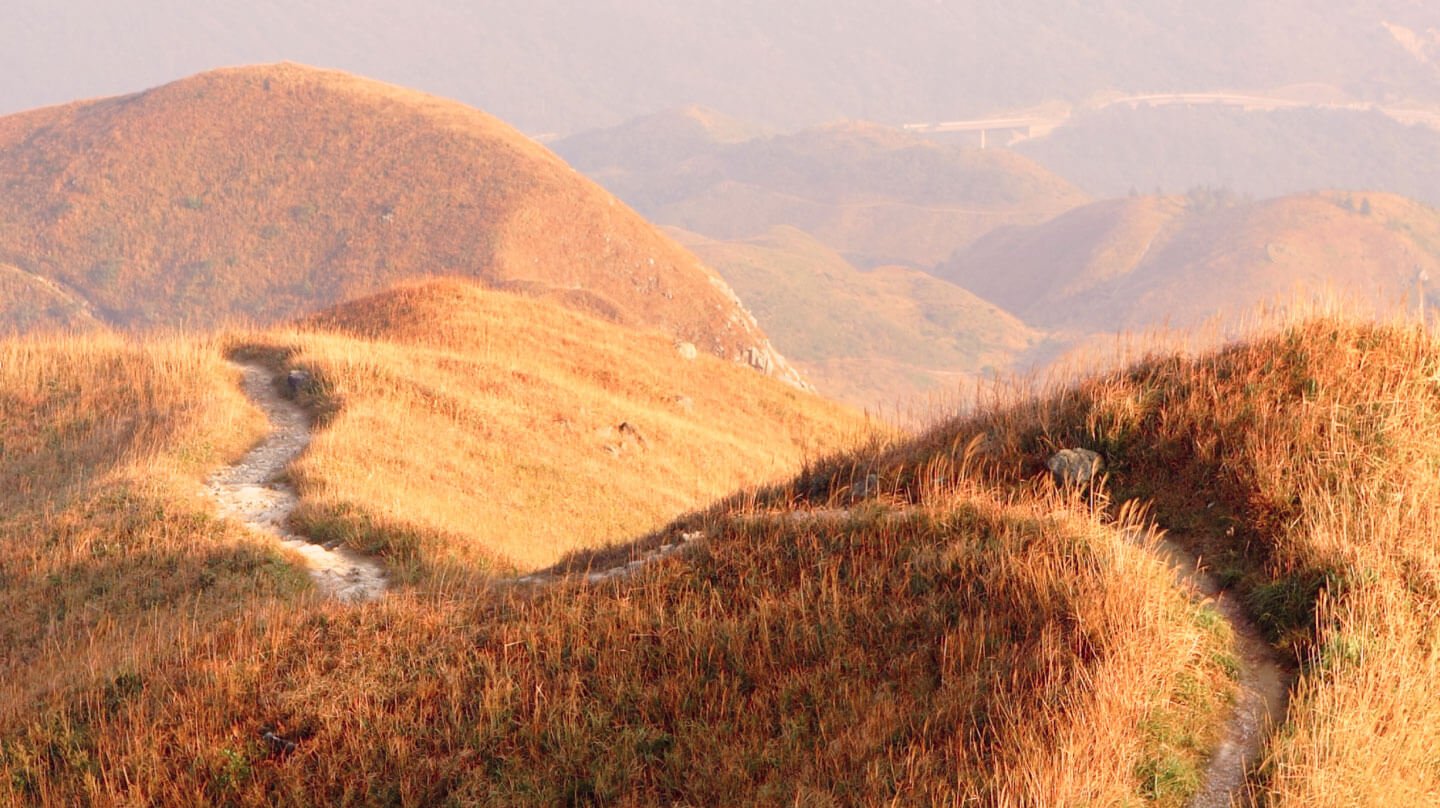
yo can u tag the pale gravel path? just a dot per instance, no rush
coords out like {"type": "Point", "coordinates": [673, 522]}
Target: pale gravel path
{"type": "Point", "coordinates": [249, 492]}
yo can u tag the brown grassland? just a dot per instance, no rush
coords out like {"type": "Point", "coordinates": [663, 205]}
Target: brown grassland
{"type": "Point", "coordinates": [968, 635]}
{"type": "Point", "coordinates": [267, 192]}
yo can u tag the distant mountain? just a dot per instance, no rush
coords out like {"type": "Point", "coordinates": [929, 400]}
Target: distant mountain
{"type": "Point", "coordinates": [556, 66]}
{"type": "Point", "coordinates": [1265, 153]}
{"type": "Point", "coordinates": [1132, 263]}
{"type": "Point", "coordinates": [875, 339]}
{"type": "Point", "coordinates": [874, 194]}
{"type": "Point", "coordinates": [268, 192]}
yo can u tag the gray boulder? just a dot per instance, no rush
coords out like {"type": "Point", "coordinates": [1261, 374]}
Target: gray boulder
{"type": "Point", "coordinates": [1075, 466]}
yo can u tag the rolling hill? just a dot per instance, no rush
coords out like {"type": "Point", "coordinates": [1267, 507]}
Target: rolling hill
{"type": "Point", "coordinates": [1147, 261]}
{"type": "Point", "coordinates": [879, 338]}
{"type": "Point", "coordinates": [469, 424]}
{"type": "Point", "coordinates": [267, 192]}
{"type": "Point", "coordinates": [875, 195]}
{"type": "Point", "coordinates": [462, 434]}
{"type": "Point", "coordinates": [962, 631]}
{"type": "Point", "coordinates": [1263, 153]}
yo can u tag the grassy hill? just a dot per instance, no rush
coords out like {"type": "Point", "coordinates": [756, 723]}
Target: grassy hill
{"type": "Point", "coordinates": [463, 433]}
{"type": "Point", "coordinates": [871, 338]}
{"type": "Point", "coordinates": [876, 195]}
{"type": "Point", "coordinates": [472, 427]}
{"type": "Point", "coordinates": [964, 632]}
{"type": "Point", "coordinates": [267, 192]}
{"type": "Point", "coordinates": [1147, 261]}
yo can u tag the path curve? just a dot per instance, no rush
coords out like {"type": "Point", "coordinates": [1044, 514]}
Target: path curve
{"type": "Point", "coordinates": [1264, 684]}
{"type": "Point", "coordinates": [1263, 680]}
{"type": "Point", "coordinates": [248, 491]}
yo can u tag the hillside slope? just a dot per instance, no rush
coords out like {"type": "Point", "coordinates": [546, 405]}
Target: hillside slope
{"type": "Point", "coordinates": [873, 339]}
{"type": "Point", "coordinates": [1145, 261]}
{"type": "Point", "coordinates": [874, 194]}
{"type": "Point", "coordinates": [267, 192]}
{"type": "Point", "coordinates": [475, 428]}
{"type": "Point", "coordinates": [957, 648]}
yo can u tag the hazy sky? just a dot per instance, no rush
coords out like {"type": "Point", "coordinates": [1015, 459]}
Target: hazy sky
{"type": "Point", "coordinates": [562, 66]}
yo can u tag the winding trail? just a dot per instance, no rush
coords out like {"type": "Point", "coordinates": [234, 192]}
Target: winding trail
{"type": "Point", "coordinates": [1263, 681]}
{"type": "Point", "coordinates": [248, 491]}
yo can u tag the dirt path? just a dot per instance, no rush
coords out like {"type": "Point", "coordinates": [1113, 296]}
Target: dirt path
{"type": "Point", "coordinates": [1264, 690]}
{"type": "Point", "coordinates": [248, 491]}
{"type": "Point", "coordinates": [1264, 682]}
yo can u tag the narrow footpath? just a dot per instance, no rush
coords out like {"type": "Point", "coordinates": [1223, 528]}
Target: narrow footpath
{"type": "Point", "coordinates": [249, 492]}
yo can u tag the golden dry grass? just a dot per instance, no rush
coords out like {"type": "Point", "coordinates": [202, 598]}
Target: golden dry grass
{"type": "Point", "coordinates": [970, 635]}
{"type": "Point", "coordinates": [267, 192]}
{"type": "Point", "coordinates": [470, 427]}
{"type": "Point", "coordinates": [103, 539]}
{"type": "Point", "coordinates": [1302, 466]}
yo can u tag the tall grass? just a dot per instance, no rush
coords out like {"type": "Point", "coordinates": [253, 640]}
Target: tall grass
{"type": "Point", "coordinates": [1301, 465]}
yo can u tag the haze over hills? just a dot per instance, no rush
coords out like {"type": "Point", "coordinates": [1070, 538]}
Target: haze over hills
{"type": "Point", "coordinates": [871, 338]}
{"type": "Point", "coordinates": [268, 192]}
{"type": "Point", "coordinates": [1143, 261]}
{"type": "Point", "coordinates": [1113, 151]}
{"type": "Point", "coordinates": [872, 193]}
{"type": "Point", "coordinates": [799, 63]}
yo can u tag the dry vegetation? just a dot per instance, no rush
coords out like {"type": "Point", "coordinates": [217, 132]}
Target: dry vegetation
{"type": "Point", "coordinates": [970, 634]}
{"type": "Point", "coordinates": [1129, 263]}
{"type": "Point", "coordinates": [272, 191]}
{"type": "Point", "coordinates": [471, 427]}
{"type": "Point", "coordinates": [873, 194]}
{"type": "Point", "coordinates": [868, 338]}
{"type": "Point", "coordinates": [1302, 465]}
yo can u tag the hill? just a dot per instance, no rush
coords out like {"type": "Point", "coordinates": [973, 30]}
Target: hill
{"type": "Point", "coordinates": [927, 618]}
{"type": "Point", "coordinates": [856, 661]}
{"type": "Point", "coordinates": [562, 68]}
{"type": "Point", "coordinates": [874, 194]}
{"type": "Point", "coordinates": [1112, 151]}
{"type": "Point", "coordinates": [1145, 261]}
{"type": "Point", "coordinates": [267, 192]}
{"type": "Point", "coordinates": [474, 427]}
{"type": "Point", "coordinates": [462, 434]}
{"type": "Point", "coordinates": [872, 338]}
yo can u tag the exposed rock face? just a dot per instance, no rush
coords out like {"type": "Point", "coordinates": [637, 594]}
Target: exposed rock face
{"type": "Point", "coordinates": [1075, 466]}
{"type": "Point", "coordinates": [688, 351]}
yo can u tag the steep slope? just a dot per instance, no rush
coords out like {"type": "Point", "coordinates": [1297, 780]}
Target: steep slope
{"type": "Point", "coordinates": [1147, 261]}
{"type": "Point", "coordinates": [35, 303]}
{"type": "Point", "coordinates": [465, 426]}
{"type": "Point", "coordinates": [876, 195]}
{"type": "Point", "coordinates": [267, 192]}
{"type": "Point", "coordinates": [873, 338]}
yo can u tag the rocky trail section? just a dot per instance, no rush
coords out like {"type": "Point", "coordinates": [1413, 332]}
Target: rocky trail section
{"type": "Point", "coordinates": [249, 492]}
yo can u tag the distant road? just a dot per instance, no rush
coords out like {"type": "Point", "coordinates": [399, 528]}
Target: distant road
{"type": "Point", "coordinates": [1026, 126]}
